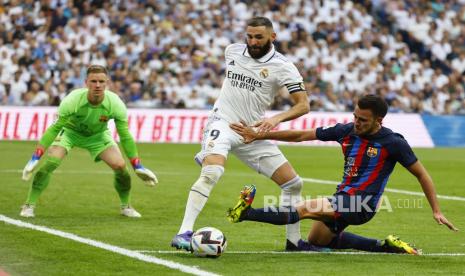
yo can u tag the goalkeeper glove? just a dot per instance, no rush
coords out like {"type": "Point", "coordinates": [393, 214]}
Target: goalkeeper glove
{"type": "Point", "coordinates": [32, 163]}
{"type": "Point", "coordinates": [143, 173]}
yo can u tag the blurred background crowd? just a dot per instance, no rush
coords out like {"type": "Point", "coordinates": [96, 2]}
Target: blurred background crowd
{"type": "Point", "coordinates": [169, 54]}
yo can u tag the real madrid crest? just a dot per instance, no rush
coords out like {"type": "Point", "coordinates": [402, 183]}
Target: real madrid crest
{"type": "Point", "coordinates": [264, 73]}
{"type": "Point", "coordinates": [372, 152]}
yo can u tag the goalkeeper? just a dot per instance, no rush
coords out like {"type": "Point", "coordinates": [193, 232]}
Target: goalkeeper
{"type": "Point", "coordinates": [82, 121]}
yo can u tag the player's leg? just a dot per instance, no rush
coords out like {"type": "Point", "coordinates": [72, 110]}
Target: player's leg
{"type": "Point", "coordinates": [55, 155]}
{"type": "Point", "coordinates": [212, 170]}
{"type": "Point", "coordinates": [316, 209]}
{"type": "Point", "coordinates": [322, 235]}
{"type": "Point", "coordinates": [122, 180]}
{"type": "Point", "coordinates": [330, 232]}
{"type": "Point", "coordinates": [56, 152]}
{"type": "Point", "coordinates": [267, 159]}
{"type": "Point", "coordinates": [291, 194]}
{"type": "Point", "coordinates": [212, 157]}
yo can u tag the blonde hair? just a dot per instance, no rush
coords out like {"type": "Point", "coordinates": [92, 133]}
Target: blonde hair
{"type": "Point", "coordinates": [96, 69]}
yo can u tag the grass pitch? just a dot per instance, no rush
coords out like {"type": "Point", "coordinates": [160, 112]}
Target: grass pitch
{"type": "Point", "coordinates": [81, 200]}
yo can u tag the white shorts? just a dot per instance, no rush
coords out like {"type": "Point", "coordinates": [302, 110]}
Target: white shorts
{"type": "Point", "coordinates": [218, 138]}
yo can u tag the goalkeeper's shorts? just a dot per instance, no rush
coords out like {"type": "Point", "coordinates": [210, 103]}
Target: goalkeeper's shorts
{"type": "Point", "coordinates": [95, 144]}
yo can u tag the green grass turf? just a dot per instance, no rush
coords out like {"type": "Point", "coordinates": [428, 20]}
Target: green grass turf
{"type": "Point", "coordinates": [81, 200]}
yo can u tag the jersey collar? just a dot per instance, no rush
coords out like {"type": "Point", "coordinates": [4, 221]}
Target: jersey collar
{"type": "Point", "coordinates": [264, 58]}
{"type": "Point", "coordinates": [104, 104]}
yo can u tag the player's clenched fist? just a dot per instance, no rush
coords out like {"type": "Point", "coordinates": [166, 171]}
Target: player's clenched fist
{"type": "Point", "coordinates": [143, 173]}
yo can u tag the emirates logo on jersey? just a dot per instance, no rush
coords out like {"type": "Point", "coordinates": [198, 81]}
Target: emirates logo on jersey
{"type": "Point", "coordinates": [243, 81]}
{"type": "Point", "coordinates": [264, 73]}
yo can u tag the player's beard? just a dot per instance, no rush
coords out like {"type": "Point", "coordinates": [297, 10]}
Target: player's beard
{"type": "Point", "coordinates": [257, 52]}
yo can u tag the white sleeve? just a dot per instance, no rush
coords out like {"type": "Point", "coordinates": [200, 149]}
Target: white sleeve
{"type": "Point", "coordinates": [227, 51]}
{"type": "Point", "coordinates": [290, 77]}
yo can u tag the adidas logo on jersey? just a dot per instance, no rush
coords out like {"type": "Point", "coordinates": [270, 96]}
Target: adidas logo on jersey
{"type": "Point", "coordinates": [231, 63]}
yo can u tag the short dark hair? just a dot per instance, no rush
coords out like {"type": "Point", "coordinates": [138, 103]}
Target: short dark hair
{"type": "Point", "coordinates": [96, 69]}
{"type": "Point", "coordinates": [259, 21]}
{"type": "Point", "coordinates": [374, 103]}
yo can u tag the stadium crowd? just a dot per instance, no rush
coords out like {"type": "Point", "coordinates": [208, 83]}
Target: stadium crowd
{"type": "Point", "coordinates": [169, 54]}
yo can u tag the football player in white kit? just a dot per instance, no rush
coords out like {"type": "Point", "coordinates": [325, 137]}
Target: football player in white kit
{"type": "Point", "coordinates": [255, 72]}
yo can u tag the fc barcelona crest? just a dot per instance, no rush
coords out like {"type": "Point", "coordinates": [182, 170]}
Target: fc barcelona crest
{"type": "Point", "coordinates": [103, 119]}
{"type": "Point", "coordinates": [372, 152]}
{"type": "Point", "coordinates": [264, 73]}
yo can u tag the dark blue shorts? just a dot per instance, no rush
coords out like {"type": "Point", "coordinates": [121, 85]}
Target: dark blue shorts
{"type": "Point", "coordinates": [351, 210]}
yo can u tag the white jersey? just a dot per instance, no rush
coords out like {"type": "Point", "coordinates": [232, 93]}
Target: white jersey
{"type": "Point", "coordinates": [250, 85]}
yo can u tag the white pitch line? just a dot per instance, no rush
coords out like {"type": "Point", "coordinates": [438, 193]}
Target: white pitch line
{"type": "Point", "coordinates": [112, 248]}
{"type": "Point", "coordinates": [310, 180]}
{"type": "Point", "coordinates": [301, 252]}
{"type": "Point", "coordinates": [405, 192]}
{"type": "Point", "coordinates": [422, 194]}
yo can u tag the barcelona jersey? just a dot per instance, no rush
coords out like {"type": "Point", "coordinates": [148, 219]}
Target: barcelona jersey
{"type": "Point", "coordinates": [77, 115]}
{"type": "Point", "coordinates": [368, 160]}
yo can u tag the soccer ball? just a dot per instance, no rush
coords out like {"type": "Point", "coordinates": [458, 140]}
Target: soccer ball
{"type": "Point", "coordinates": [208, 242]}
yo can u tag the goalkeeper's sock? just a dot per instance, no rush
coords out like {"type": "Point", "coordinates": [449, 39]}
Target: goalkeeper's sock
{"type": "Point", "coordinates": [273, 215]}
{"type": "Point", "coordinates": [42, 178]}
{"type": "Point", "coordinates": [346, 240]}
{"type": "Point", "coordinates": [122, 184]}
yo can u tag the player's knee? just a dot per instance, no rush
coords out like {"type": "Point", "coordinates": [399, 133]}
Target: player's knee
{"type": "Point", "coordinates": [291, 192]}
{"type": "Point", "coordinates": [209, 176]}
{"type": "Point", "coordinates": [330, 242]}
{"type": "Point", "coordinates": [323, 241]}
{"type": "Point", "coordinates": [119, 165]}
{"type": "Point", "coordinates": [51, 163]}
{"type": "Point", "coordinates": [212, 173]}
{"type": "Point", "coordinates": [293, 186]}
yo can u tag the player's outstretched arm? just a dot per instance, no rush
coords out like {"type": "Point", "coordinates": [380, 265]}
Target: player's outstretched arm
{"type": "Point", "coordinates": [419, 171]}
{"type": "Point", "coordinates": [300, 107]}
{"type": "Point", "coordinates": [130, 149]}
{"type": "Point", "coordinates": [129, 145]}
{"type": "Point", "coordinates": [249, 134]}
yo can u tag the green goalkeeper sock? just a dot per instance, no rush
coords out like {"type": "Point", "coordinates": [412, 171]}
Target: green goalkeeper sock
{"type": "Point", "coordinates": [41, 179]}
{"type": "Point", "coordinates": [123, 185]}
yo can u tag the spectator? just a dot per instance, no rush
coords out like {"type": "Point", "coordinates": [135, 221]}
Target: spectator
{"type": "Point", "coordinates": [36, 96]}
{"type": "Point", "coordinates": [17, 90]}
{"type": "Point", "coordinates": [356, 46]}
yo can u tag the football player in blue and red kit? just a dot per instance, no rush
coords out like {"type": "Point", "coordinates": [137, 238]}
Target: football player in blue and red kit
{"type": "Point", "coordinates": [370, 154]}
